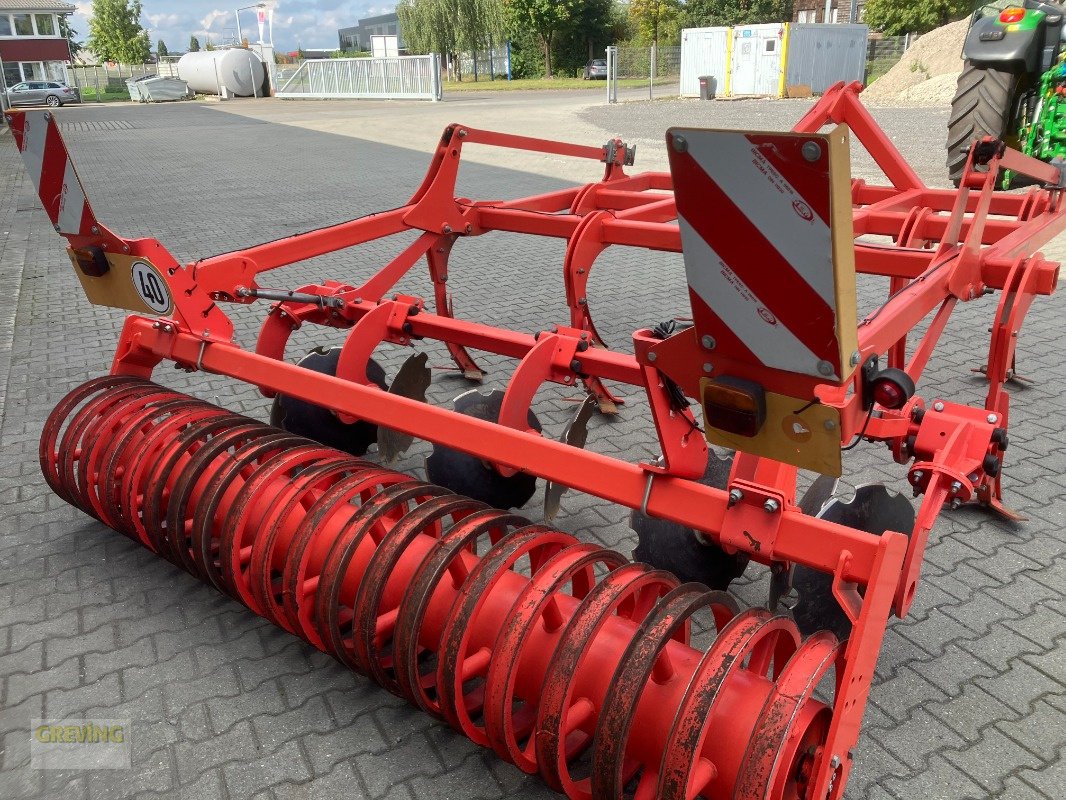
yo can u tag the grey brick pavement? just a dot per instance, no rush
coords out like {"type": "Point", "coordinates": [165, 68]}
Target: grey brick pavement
{"type": "Point", "coordinates": [969, 700]}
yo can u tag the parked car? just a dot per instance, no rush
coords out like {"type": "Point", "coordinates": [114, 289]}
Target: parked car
{"type": "Point", "coordinates": [36, 93]}
{"type": "Point", "coordinates": [596, 70]}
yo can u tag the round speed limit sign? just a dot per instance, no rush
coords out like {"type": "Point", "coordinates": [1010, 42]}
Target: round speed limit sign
{"type": "Point", "coordinates": [151, 287]}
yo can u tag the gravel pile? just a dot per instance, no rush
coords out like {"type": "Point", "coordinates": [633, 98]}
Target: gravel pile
{"type": "Point", "coordinates": [927, 73]}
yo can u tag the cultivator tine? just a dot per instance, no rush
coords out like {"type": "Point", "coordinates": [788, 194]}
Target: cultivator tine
{"type": "Point", "coordinates": [576, 435]}
{"type": "Point", "coordinates": [411, 381]}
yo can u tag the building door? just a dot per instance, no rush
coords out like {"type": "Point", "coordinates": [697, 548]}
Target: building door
{"type": "Point", "coordinates": [744, 60]}
{"type": "Point", "coordinates": [768, 61]}
{"type": "Point", "coordinates": [757, 59]}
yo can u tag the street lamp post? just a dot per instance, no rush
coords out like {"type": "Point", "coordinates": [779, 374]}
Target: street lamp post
{"type": "Point", "coordinates": [240, 37]}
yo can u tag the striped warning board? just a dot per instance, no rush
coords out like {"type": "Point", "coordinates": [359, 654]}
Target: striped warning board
{"type": "Point", "coordinates": [50, 168]}
{"type": "Point", "coordinates": [767, 237]}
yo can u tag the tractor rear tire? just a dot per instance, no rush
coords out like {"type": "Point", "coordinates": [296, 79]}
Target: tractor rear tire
{"type": "Point", "coordinates": [983, 106]}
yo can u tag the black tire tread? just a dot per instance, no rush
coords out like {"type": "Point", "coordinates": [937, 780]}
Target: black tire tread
{"type": "Point", "coordinates": [981, 107]}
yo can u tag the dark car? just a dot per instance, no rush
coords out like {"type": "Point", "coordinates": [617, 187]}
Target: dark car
{"type": "Point", "coordinates": [596, 70]}
{"type": "Point", "coordinates": [36, 93]}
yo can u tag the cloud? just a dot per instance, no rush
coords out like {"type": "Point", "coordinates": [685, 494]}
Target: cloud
{"type": "Point", "coordinates": [312, 24]}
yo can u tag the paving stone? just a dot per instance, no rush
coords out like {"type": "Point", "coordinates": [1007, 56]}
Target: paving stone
{"type": "Point", "coordinates": [238, 744]}
{"type": "Point", "coordinates": [285, 764]}
{"type": "Point", "coordinates": [985, 761]}
{"type": "Point", "coordinates": [966, 690]}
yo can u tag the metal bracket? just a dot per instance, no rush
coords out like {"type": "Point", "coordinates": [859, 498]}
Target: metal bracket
{"type": "Point", "coordinates": [612, 149]}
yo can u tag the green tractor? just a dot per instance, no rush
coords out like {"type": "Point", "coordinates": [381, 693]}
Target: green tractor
{"type": "Point", "coordinates": [1013, 84]}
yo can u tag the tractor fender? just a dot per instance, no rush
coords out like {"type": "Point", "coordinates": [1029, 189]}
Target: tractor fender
{"type": "Point", "coordinates": [1020, 49]}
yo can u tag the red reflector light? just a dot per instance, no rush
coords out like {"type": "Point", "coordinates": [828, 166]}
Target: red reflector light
{"type": "Point", "coordinates": [1012, 15]}
{"type": "Point", "coordinates": [889, 395]}
{"type": "Point", "coordinates": [734, 405]}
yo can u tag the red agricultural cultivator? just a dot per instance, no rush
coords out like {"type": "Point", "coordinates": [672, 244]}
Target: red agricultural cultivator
{"type": "Point", "coordinates": [567, 659]}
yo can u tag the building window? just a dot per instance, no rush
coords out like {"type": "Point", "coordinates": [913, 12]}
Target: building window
{"type": "Point", "coordinates": [809, 15]}
{"type": "Point", "coordinates": [28, 25]}
{"type": "Point", "coordinates": [23, 24]}
{"type": "Point", "coordinates": [18, 71]}
{"type": "Point", "coordinates": [45, 24]}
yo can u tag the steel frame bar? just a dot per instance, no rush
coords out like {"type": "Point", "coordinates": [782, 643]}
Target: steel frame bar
{"type": "Point", "coordinates": [946, 247]}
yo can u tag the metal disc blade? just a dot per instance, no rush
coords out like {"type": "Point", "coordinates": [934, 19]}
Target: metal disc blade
{"type": "Point", "coordinates": [874, 510]}
{"type": "Point", "coordinates": [816, 496]}
{"type": "Point", "coordinates": [411, 381]}
{"type": "Point", "coordinates": [680, 550]}
{"type": "Point", "coordinates": [575, 434]}
{"type": "Point", "coordinates": [473, 476]}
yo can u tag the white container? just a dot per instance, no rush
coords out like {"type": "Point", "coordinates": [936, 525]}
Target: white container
{"type": "Point", "coordinates": [238, 71]}
{"type": "Point", "coordinates": [703, 52]}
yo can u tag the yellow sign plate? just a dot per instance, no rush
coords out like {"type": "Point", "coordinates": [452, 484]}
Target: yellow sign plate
{"type": "Point", "coordinates": [132, 283]}
{"type": "Point", "coordinates": [795, 432]}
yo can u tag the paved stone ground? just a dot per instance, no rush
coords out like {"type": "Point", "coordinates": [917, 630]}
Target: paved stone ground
{"type": "Point", "coordinates": [969, 698]}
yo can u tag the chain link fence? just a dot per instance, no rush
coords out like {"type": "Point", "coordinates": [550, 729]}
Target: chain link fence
{"type": "Point", "coordinates": [635, 72]}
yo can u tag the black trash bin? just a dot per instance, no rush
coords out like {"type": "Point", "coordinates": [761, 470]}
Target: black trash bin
{"type": "Point", "coordinates": [707, 86]}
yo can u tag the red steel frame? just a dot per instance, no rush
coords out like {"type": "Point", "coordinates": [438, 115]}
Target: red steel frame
{"type": "Point", "coordinates": [948, 246]}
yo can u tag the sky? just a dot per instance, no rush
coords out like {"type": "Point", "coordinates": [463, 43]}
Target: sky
{"type": "Point", "coordinates": [311, 24]}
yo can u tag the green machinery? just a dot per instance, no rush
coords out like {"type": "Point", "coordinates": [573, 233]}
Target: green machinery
{"type": "Point", "coordinates": [1013, 85]}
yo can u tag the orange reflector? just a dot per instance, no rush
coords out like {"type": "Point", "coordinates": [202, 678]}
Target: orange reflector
{"type": "Point", "coordinates": [734, 405]}
{"type": "Point", "coordinates": [1011, 15]}
{"type": "Point", "coordinates": [91, 260]}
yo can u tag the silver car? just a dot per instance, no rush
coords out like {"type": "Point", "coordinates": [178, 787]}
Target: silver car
{"type": "Point", "coordinates": [36, 93]}
{"type": "Point", "coordinates": [596, 70]}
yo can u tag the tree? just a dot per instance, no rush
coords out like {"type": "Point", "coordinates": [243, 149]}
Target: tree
{"type": "Point", "coordinates": [69, 33]}
{"type": "Point", "coordinates": [895, 17]}
{"type": "Point", "coordinates": [428, 26]}
{"type": "Point", "coordinates": [210, 46]}
{"type": "Point", "coordinates": [161, 49]}
{"type": "Point", "coordinates": [194, 44]}
{"type": "Point", "coordinates": [545, 18]}
{"type": "Point", "coordinates": [704, 13]}
{"type": "Point", "coordinates": [116, 34]}
{"type": "Point", "coordinates": [651, 16]}
{"type": "Point", "coordinates": [595, 24]}
{"type": "Point", "coordinates": [451, 26]}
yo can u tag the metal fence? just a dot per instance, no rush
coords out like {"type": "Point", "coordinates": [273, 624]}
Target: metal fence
{"type": "Point", "coordinates": [399, 77]}
{"type": "Point", "coordinates": [883, 52]}
{"type": "Point", "coordinates": [642, 71]}
{"type": "Point", "coordinates": [100, 79]}
{"type": "Point", "coordinates": [486, 64]}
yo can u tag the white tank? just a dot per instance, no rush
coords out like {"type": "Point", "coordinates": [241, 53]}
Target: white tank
{"type": "Point", "coordinates": [237, 70]}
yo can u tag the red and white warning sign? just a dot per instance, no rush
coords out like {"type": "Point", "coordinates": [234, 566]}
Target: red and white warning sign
{"type": "Point", "coordinates": [52, 172]}
{"type": "Point", "coordinates": [757, 230]}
